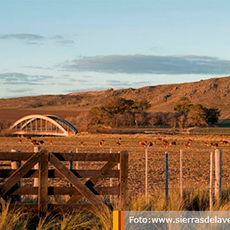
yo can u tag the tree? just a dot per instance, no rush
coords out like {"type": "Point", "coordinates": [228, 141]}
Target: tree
{"type": "Point", "coordinates": [141, 119]}
{"type": "Point", "coordinates": [156, 118]}
{"type": "Point", "coordinates": [141, 106]}
{"type": "Point", "coordinates": [118, 105]}
{"type": "Point", "coordinates": [212, 115]}
{"type": "Point", "coordinates": [117, 112]}
{"type": "Point", "coordinates": [183, 106]}
{"type": "Point", "coordinates": [197, 115]}
{"type": "Point", "coordinates": [172, 120]}
{"type": "Point", "coordinates": [182, 121]}
{"type": "Point", "coordinates": [97, 115]}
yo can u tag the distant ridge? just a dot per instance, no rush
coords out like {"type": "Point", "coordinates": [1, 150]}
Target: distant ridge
{"type": "Point", "coordinates": [213, 92]}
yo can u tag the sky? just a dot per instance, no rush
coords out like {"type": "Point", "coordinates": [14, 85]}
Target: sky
{"type": "Point", "coordinates": [60, 47]}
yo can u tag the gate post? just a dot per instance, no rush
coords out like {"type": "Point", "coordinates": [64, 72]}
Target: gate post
{"type": "Point", "coordinates": [16, 165]}
{"type": "Point", "coordinates": [43, 183]}
{"type": "Point", "coordinates": [36, 150]}
{"type": "Point", "coordinates": [124, 180]}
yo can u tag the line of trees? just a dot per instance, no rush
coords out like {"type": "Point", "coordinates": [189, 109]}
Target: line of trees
{"type": "Point", "coordinates": [120, 112]}
{"type": "Point", "coordinates": [189, 114]}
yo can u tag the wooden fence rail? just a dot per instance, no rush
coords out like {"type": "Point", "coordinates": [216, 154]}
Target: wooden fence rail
{"type": "Point", "coordinates": [85, 183]}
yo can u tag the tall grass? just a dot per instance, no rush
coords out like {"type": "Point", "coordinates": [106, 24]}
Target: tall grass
{"type": "Point", "coordinates": [80, 220]}
{"type": "Point", "coordinates": [195, 200]}
{"type": "Point", "coordinates": [12, 220]}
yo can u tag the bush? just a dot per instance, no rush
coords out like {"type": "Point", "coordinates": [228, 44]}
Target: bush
{"type": "Point", "coordinates": [80, 122]}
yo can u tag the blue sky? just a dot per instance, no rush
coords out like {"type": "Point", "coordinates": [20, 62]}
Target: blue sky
{"type": "Point", "coordinates": [59, 47]}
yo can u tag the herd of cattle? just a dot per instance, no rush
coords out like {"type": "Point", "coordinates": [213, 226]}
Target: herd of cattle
{"type": "Point", "coordinates": [118, 142]}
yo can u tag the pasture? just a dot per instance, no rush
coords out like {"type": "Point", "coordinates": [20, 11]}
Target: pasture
{"type": "Point", "coordinates": [196, 166]}
{"type": "Point", "coordinates": [196, 157]}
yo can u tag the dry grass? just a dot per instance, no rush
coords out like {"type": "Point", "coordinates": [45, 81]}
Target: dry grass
{"type": "Point", "coordinates": [196, 175]}
{"type": "Point", "coordinates": [12, 220]}
{"type": "Point", "coordinates": [95, 220]}
{"type": "Point", "coordinates": [195, 159]}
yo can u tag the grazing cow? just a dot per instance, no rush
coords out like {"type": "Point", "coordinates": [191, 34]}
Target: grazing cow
{"type": "Point", "coordinates": [41, 142]}
{"type": "Point", "coordinates": [165, 144]}
{"type": "Point", "coordinates": [224, 142]}
{"type": "Point", "coordinates": [215, 145]}
{"type": "Point", "coordinates": [143, 143]}
{"type": "Point", "coordinates": [50, 142]}
{"type": "Point", "coordinates": [172, 143]}
{"type": "Point", "coordinates": [187, 145]}
{"type": "Point", "coordinates": [150, 144]}
{"type": "Point", "coordinates": [101, 142]}
{"type": "Point", "coordinates": [118, 143]}
{"type": "Point", "coordinates": [34, 142]}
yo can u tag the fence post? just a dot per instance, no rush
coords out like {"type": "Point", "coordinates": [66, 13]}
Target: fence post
{"type": "Point", "coordinates": [71, 162]}
{"type": "Point", "coordinates": [43, 184]}
{"type": "Point", "coordinates": [166, 179]}
{"type": "Point", "coordinates": [118, 168]}
{"type": "Point", "coordinates": [146, 173]}
{"type": "Point", "coordinates": [181, 175]}
{"type": "Point", "coordinates": [111, 180]}
{"type": "Point", "coordinates": [16, 165]}
{"type": "Point", "coordinates": [77, 162]}
{"type": "Point", "coordinates": [211, 183]}
{"type": "Point", "coordinates": [218, 175]}
{"type": "Point", "coordinates": [36, 180]}
{"type": "Point", "coordinates": [124, 180]}
{"type": "Point", "coordinates": [70, 166]}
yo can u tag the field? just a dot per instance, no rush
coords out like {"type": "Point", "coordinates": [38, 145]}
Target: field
{"type": "Point", "coordinates": [12, 115]}
{"type": "Point", "coordinates": [195, 158]}
{"type": "Point", "coordinates": [196, 167]}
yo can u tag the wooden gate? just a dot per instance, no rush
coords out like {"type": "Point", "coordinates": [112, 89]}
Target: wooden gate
{"type": "Point", "coordinates": [53, 165]}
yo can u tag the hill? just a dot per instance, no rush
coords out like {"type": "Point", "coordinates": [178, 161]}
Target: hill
{"type": "Point", "coordinates": [213, 92]}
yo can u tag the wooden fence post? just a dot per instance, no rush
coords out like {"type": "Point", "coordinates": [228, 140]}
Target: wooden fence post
{"type": "Point", "coordinates": [16, 165]}
{"type": "Point", "coordinates": [111, 180]}
{"type": "Point", "coordinates": [77, 162]}
{"type": "Point", "coordinates": [36, 180]}
{"type": "Point", "coordinates": [124, 180]}
{"type": "Point", "coordinates": [71, 162]}
{"type": "Point", "coordinates": [166, 179]}
{"type": "Point", "coordinates": [70, 166]}
{"type": "Point", "coordinates": [146, 173]}
{"type": "Point", "coordinates": [118, 168]}
{"type": "Point", "coordinates": [181, 175]}
{"type": "Point", "coordinates": [211, 183]}
{"type": "Point", "coordinates": [43, 184]}
{"type": "Point", "coordinates": [218, 175]}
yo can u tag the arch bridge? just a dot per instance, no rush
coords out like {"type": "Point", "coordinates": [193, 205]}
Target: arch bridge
{"type": "Point", "coordinates": [42, 125]}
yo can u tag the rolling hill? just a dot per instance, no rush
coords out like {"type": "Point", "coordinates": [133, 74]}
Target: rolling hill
{"type": "Point", "coordinates": [213, 92]}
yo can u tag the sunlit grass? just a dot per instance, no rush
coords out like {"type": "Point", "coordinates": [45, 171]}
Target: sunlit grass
{"type": "Point", "coordinates": [194, 200]}
{"type": "Point", "coordinates": [10, 220]}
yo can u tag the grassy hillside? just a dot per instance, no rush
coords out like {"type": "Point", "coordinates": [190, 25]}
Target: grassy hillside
{"type": "Point", "coordinates": [210, 93]}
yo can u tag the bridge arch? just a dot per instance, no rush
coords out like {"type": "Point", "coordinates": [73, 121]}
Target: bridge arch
{"type": "Point", "coordinates": [36, 124]}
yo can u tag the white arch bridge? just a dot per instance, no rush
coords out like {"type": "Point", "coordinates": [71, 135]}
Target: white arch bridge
{"type": "Point", "coordinates": [42, 125]}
